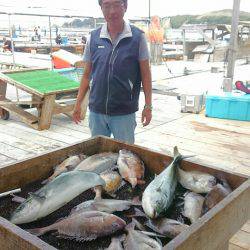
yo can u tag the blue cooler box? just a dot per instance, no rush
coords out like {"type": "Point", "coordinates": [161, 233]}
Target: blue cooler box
{"type": "Point", "coordinates": [228, 106]}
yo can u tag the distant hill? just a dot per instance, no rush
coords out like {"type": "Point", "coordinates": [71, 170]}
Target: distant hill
{"type": "Point", "coordinates": [214, 17]}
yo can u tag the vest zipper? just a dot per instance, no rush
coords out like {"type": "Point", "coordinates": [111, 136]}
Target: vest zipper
{"type": "Point", "coordinates": [111, 65]}
{"type": "Point", "coordinates": [114, 60]}
{"type": "Point", "coordinates": [109, 79]}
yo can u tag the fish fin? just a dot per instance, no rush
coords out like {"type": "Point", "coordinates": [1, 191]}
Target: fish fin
{"type": "Point", "coordinates": [114, 167]}
{"type": "Point", "coordinates": [136, 201]}
{"type": "Point", "coordinates": [179, 204]}
{"type": "Point", "coordinates": [159, 241]}
{"type": "Point", "coordinates": [158, 189]}
{"type": "Point", "coordinates": [125, 161]}
{"type": "Point", "coordinates": [125, 242]}
{"type": "Point", "coordinates": [183, 212]}
{"type": "Point", "coordinates": [123, 183]}
{"type": "Point", "coordinates": [113, 195]}
{"type": "Point", "coordinates": [180, 219]}
{"type": "Point", "coordinates": [130, 226]}
{"type": "Point", "coordinates": [60, 219]}
{"type": "Point", "coordinates": [178, 157]}
{"type": "Point", "coordinates": [45, 181]}
{"type": "Point", "coordinates": [98, 192]}
{"type": "Point", "coordinates": [221, 177]}
{"type": "Point", "coordinates": [138, 213]}
{"type": "Point", "coordinates": [37, 197]}
{"type": "Point", "coordinates": [82, 157]}
{"type": "Point", "coordinates": [69, 168]}
{"type": "Point", "coordinates": [138, 224]}
{"type": "Point", "coordinates": [176, 152]}
{"type": "Point", "coordinates": [39, 231]}
{"type": "Point", "coordinates": [187, 156]}
{"type": "Point", "coordinates": [77, 238]}
{"type": "Point", "coordinates": [17, 199]}
{"type": "Point", "coordinates": [152, 234]}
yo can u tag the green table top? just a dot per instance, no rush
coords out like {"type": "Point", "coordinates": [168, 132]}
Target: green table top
{"type": "Point", "coordinates": [44, 81]}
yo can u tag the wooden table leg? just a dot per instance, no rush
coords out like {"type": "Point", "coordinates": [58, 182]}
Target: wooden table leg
{"type": "Point", "coordinates": [36, 98]}
{"type": "Point", "coordinates": [3, 88]}
{"type": "Point", "coordinates": [46, 112]}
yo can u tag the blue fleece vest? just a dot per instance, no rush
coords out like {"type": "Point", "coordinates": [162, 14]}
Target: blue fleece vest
{"type": "Point", "coordinates": [116, 76]}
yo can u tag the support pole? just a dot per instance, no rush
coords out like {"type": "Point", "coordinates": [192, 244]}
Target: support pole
{"type": "Point", "coordinates": [51, 47]}
{"type": "Point", "coordinates": [233, 47]}
{"type": "Point", "coordinates": [149, 10]}
{"type": "Point", "coordinates": [185, 56]}
{"type": "Point", "coordinates": [12, 43]}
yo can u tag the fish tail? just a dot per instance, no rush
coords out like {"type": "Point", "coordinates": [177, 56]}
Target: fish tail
{"type": "Point", "coordinates": [39, 231]}
{"type": "Point", "coordinates": [178, 157]}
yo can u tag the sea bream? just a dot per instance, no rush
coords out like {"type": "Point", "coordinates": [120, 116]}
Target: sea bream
{"type": "Point", "coordinates": [67, 165]}
{"type": "Point", "coordinates": [218, 193]}
{"type": "Point", "coordinates": [196, 181]}
{"type": "Point", "coordinates": [159, 194]}
{"type": "Point", "coordinates": [193, 204]}
{"type": "Point", "coordinates": [84, 226]}
{"type": "Point", "coordinates": [167, 227]}
{"type": "Point", "coordinates": [98, 163]}
{"type": "Point", "coordinates": [54, 195]}
{"type": "Point", "coordinates": [131, 167]}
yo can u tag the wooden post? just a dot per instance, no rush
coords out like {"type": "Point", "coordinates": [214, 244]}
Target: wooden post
{"type": "Point", "coordinates": [3, 88]}
{"type": "Point", "coordinates": [232, 55]}
{"type": "Point", "coordinates": [46, 112]}
{"type": "Point", "coordinates": [185, 57]}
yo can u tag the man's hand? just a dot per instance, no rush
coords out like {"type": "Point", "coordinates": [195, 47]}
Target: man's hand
{"type": "Point", "coordinates": [146, 116]}
{"type": "Point", "coordinates": [77, 114]}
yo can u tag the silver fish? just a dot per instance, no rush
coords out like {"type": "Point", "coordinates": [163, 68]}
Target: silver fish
{"type": "Point", "coordinates": [85, 226]}
{"type": "Point", "coordinates": [168, 227]}
{"type": "Point", "coordinates": [193, 204]}
{"type": "Point", "coordinates": [131, 167]}
{"type": "Point", "coordinates": [196, 181]}
{"type": "Point", "coordinates": [67, 165]}
{"type": "Point", "coordinates": [54, 195]}
{"type": "Point", "coordinates": [137, 240]}
{"type": "Point", "coordinates": [159, 194]}
{"type": "Point", "coordinates": [104, 205]}
{"type": "Point", "coordinates": [98, 163]}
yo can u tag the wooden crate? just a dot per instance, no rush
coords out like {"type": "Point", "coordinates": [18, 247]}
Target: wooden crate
{"type": "Point", "coordinates": [212, 231]}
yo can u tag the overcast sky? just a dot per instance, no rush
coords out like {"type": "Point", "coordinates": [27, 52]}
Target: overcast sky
{"type": "Point", "coordinates": [136, 8]}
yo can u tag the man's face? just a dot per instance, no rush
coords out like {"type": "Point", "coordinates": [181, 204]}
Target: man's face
{"type": "Point", "coordinates": [113, 10]}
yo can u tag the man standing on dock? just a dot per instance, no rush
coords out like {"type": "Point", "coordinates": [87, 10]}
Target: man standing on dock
{"type": "Point", "coordinates": [116, 62]}
{"type": "Point", "coordinates": [6, 45]}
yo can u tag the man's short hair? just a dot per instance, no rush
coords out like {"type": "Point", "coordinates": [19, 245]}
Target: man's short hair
{"type": "Point", "coordinates": [124, 1]}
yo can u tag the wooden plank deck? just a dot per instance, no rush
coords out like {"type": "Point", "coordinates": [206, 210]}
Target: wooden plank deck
{"type": "Point", "coordinates": [224, 144]}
